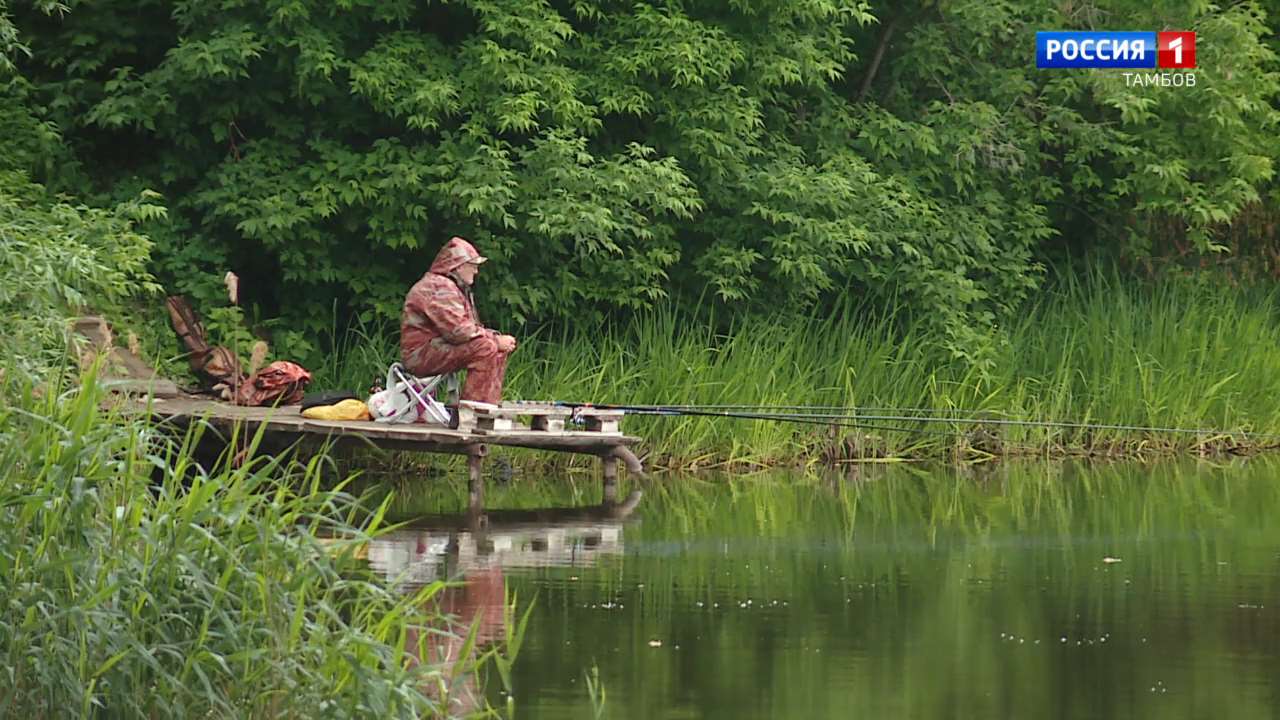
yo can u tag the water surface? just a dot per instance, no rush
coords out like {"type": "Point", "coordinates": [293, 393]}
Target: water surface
{"type": "Point", "coordinates": [1036, 591]}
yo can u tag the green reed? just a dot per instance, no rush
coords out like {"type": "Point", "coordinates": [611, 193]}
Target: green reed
{"type": "Point", "coordinates": [1187, 353]}
{"type": "Point", "coordinates": [1182, 354]}
{"type": "Point", "coordinates": [144, 580]}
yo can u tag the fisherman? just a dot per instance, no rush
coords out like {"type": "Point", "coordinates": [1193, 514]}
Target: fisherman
{"type": "Point", "coordinates": [440, 331]}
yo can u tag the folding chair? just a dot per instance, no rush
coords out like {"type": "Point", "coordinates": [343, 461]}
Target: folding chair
{"type": "Point", "coordinates": [410, 393]}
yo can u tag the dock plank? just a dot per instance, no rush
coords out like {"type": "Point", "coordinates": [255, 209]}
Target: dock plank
{"type": "Point", "coordinates": [425, 437]}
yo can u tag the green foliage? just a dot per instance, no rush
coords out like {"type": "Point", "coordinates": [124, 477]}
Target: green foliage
{"type": "Point", "coordinates": [59, 258]}
{"type": "Point", "coordinates": [1193, 160]}
{"type": "Point", "coordinates": [9, 44]}
{"type": "Point", "coordinates": [609, 156]}
{"type": "Point", "coordinates": [141, 581]}
{"type": "Point", "coordinates": [1193, 353]}
{"type": "Point", "coordinates": [226, 326]}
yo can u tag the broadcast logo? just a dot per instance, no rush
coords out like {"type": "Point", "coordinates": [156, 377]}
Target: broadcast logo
{"type": "Point", "coordinates": [1122, 50]}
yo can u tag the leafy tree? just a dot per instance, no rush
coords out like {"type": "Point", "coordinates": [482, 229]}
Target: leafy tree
{"type": "Point", "coordinates": [607, 155]}
{"type": "Point", "coordinates": [58, 255]}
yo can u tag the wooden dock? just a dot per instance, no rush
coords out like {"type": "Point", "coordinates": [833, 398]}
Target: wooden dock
{"type": "Point", "coordinates": [480, 426]}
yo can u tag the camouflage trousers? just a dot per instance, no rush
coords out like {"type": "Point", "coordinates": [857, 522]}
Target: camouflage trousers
{"type": "Point", "coordinates": [485, 365]}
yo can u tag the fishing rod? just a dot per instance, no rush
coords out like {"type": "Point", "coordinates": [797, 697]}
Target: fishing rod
{"type": "Point", "coordinates": [859, 419]}
{"type": "Point", "coordinates": [793, 418]}
{"type": "Point", "coordinates": [809, 408]}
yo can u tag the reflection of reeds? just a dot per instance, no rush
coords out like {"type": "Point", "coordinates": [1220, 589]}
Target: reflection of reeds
{"type": "Point", "coordinates": [138, 580]}
{"type": "Point", "coordinates": [1183, 354]}
{"type": "Point", "coordinates": [753, 538]}
{"type": "Point", "coordinates": [923, 592]}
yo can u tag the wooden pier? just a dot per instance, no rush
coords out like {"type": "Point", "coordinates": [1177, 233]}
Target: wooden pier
{"type": "Point", "coordinates": [480, 425]}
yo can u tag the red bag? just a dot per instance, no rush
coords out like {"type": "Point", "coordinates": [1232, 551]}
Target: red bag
{"type": "Point", "coordinates": [281, 382]}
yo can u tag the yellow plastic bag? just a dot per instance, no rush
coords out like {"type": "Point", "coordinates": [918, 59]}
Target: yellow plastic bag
{"type": "Point", "coordinates": [346, 410]}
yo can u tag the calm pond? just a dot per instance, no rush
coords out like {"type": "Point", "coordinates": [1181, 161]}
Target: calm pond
{"type": "Point", "coordinates": [1025, 590]}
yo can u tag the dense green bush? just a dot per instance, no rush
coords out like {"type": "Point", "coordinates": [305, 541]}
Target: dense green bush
{"type": "Point", "coordinates": [606, 154]}
{"type": "Point", "coordinates": [57, 257]}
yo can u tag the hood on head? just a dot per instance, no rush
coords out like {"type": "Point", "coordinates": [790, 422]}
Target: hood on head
{"type": "Point", "coordinates": [453, 255]}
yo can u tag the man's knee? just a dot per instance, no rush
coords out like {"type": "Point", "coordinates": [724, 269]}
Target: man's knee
{"type": "Point", "coordinates": [482, 348]}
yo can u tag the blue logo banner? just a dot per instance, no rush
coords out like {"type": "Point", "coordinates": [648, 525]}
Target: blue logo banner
{"type": "Point", "coordinates": [1095, 49]}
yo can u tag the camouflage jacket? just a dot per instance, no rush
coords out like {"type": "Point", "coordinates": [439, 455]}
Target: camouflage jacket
{"type": "Point", "coordinates": [439, 308]}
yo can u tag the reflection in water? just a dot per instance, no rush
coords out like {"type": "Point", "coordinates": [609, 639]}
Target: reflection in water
{"type": "Point", "coordinates": [913, 593]}
{"type": "Point", "coordinates": [474, 551]}
{"type": "Point", "coordinates": [443, 547]}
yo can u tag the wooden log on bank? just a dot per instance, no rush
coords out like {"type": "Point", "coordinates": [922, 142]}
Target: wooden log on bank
{"type": "Point", "coordinates": [120, 370]}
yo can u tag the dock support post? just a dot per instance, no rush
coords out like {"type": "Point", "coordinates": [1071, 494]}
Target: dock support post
{"type": "Point", "coordinates": [628, 458]}
{"type": "Point", "coordinates": [609, 463]}
{"type": "Point", "coordinates": [475, 477]}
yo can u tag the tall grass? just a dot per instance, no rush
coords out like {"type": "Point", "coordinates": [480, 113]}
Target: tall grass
{"type": "Point", "coordinates": [139, 583]}
{"type": "Point", "coordinates": [1187, 353]}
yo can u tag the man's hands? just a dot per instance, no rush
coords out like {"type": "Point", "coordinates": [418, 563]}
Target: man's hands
{"type": "Point", "coordinates": [506, 343]}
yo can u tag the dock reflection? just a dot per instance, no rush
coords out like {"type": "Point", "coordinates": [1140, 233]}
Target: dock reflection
{"type": "Point", "coordinates": [475, 550]}
{"type": "Point", "coordinates": [448, 547]}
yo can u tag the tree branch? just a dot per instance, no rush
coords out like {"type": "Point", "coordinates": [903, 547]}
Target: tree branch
{"type": "Point", "coordinates": [875, 59]}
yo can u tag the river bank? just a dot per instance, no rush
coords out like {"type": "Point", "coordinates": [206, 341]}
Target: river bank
{"type": "Point", "coordinates": [1186, 353]}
